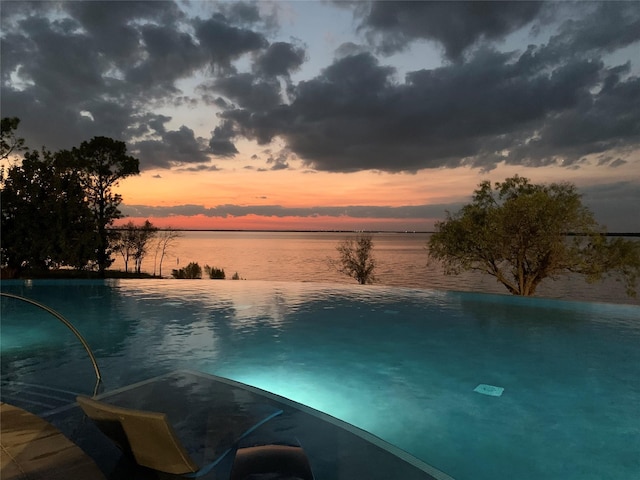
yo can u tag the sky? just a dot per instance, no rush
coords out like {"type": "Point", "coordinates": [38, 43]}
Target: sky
{"type": "Point", "coordinates": [351, 115]}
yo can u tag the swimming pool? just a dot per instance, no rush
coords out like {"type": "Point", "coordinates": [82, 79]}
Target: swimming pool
{"type": "Point", "coordinates": [400, 363]}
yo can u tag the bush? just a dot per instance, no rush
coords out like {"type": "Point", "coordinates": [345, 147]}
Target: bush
{"type": "Point", "coordinates": [356, 258]}
{"type": "Point", "coordinates": [236, 277]}
{"type": "Point", "coordinates": [193, 270]}
{"type": "Point", "coordinates": [215, 273]}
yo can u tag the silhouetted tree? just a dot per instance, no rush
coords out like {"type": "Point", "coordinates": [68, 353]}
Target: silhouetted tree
{"type": "Point", "coordinates": [145, 233]}
{"type": "Point", "coordinates": [122, 242]}
{"type": "Point", "coordinates": [46, 220]}
{"type": "Point", "coordinates": [9, 142]}
{"type": "Point", "coordinates": [167, 239]}
{"type": "Point", "coordinates": [518, 233]}
{"type": "Point", "coordinates": [132, 242]}
{"type": "Point", "coordinates": [102, 162]}
{"type": "Point", "coordinates": [356, 258]}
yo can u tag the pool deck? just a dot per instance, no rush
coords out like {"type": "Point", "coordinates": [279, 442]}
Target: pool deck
{"type": "Point", "coordinates": [32, 449]}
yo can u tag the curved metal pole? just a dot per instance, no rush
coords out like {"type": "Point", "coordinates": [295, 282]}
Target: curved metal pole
{"type": "Point", "coordinates": [70, 326]}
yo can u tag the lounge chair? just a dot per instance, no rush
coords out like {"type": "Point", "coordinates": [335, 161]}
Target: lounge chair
{"type": "Point", "coordinates": [149, 439]}
{"type": "Point", "coordinates": [287, 461]}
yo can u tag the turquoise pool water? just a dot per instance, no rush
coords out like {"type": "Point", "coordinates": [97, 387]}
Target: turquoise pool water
{"type": "Point", "coordinates": [400, 363]}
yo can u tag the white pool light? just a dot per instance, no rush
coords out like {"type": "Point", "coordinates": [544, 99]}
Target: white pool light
{"type": "Point", "coordinates": [490, 390]}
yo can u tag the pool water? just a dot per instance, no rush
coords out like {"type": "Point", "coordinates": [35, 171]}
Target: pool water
{"type": "Point", "coordinates": [400, 363]}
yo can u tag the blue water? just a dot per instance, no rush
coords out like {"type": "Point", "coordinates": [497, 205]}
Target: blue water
{"type": "Point", "coordinates": [400, 363]}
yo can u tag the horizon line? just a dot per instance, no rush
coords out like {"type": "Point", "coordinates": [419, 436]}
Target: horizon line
{"type": "Point", "coordinates": [607, 234]}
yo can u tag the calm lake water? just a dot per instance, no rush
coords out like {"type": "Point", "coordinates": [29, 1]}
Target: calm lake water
{"type": "Point", "coordinates": [305, 257]}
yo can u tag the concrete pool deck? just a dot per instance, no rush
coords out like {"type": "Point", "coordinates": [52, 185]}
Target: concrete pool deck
{"type": "Point", "coordinates": [33, 449]}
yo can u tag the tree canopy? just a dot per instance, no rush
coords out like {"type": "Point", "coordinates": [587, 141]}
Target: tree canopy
{"type": "Point", "coordinates": [102, 162]}
{"type": "Point", "coordinates": [9, 142]}
{"type": "Point", "coordinates": [132, 243]}
{"type": "Point", "coordinates": [46, 222]}
{"type": "Point", "coordinates": [56, 207]}
{"type": "Point", "coordinates": [522, 233]}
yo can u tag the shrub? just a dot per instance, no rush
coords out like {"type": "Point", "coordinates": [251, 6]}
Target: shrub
{"type": "Point", "coordinates": [215, 273]}
{"type": "Point", "coordinates": [193, 270]}
{"type": "Point", "coordinates": [356, 258]}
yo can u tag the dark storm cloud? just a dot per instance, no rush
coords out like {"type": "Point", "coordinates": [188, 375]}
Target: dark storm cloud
{"type": "Point", "coordinates": [112, 25]}
{"type": "Point", "coordinates": [223, 42]}
{"type": "Point", "coordinates": [221, 143]}
{"type": "Point", "coordinates": [177, 147]}
{"type": "Point", "coordinates": [605, 28]}
{"type": "Point", "coordinates": [551, 104]}
{"type": "Point", "coordinates": [171, 55]}
{"type": "Point", "coordinates": [355, 117]}
{"type": "Point", "coordinates": [248, 91]}
{"type": "Point", "coordinates": [281, 58]}
{"type": "Point", "coordinates": [63, 58]}
{"type": "Point", "coordinates": [392, 26]}
{"type": "Point", "coordinates": [242, 12]}
{"type": "Point", "coordinates": [73, 70]}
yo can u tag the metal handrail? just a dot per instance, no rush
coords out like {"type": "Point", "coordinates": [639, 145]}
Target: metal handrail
{"type": "Point", "coordinates": [70, 326]}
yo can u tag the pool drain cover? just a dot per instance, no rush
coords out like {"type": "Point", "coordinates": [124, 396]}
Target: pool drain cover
{"type": "Point", "coordinates": [489, 390]}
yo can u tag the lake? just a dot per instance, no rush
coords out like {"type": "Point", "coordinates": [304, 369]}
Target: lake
{"type": "Point", "coordinates": [402, 260]}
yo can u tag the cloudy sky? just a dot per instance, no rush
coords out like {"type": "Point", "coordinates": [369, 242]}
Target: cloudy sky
{"type": "Point", "coordinates": [334, 115]}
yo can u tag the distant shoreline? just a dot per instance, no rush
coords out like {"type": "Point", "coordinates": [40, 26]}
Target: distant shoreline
{"type": "Point", "coordinates": [608, 234]}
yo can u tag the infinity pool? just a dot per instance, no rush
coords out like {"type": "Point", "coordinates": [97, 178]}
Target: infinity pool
{"type": "Point", "coordinates": [402, 364]}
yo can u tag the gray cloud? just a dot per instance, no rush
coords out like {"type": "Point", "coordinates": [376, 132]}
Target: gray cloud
{"type": "Point", "coordinates": [281, 58]}
{"type": "Point", "coordinates": [382, 212]}
{"type": "Point", "coordinates": [242, 12]}
{"type": "Point", "coordinates": [391, 26]}
{"type": "Point", "coordinates": [221, 143]}
{"type": "Point", "coordinates": [112, 26]}
{"type": "Point", "coordinates": [552, 103]}
{"type": "Point", "coordinates": [171, 55]}
{"type": "Point", "coordinates": [490, 109]}
{"type": "Point", "coordinates": [118, 64]}
{"type": "Point", "coordinates": [247, 91]}
{"type": "Point", "coordinates": [222, 42]}
{"type": "Point", "coordinates": [174, 148]}
{"type": "Point", "coordinates": [280, 160]}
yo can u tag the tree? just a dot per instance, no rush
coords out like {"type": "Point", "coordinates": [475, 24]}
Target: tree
{"type": "Point", "coordinates": [46, 221]}
{"type": "Point", "coordinates": [167, 239]}
{"type": "Point", "coordinates": [102, 163]}
{"type": "Point", "coordinates": [9, 142]}
{"type": "Point", "coordinates": [122, 243]}
{"type": "Point", "coordinates": [144, 234]}
{"type": "Point", "coordinates": [132, 242]}
{"type": "Point", "coordinates": [522, 233]}
{"type": "Point", "coordinates": [356, 259]}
